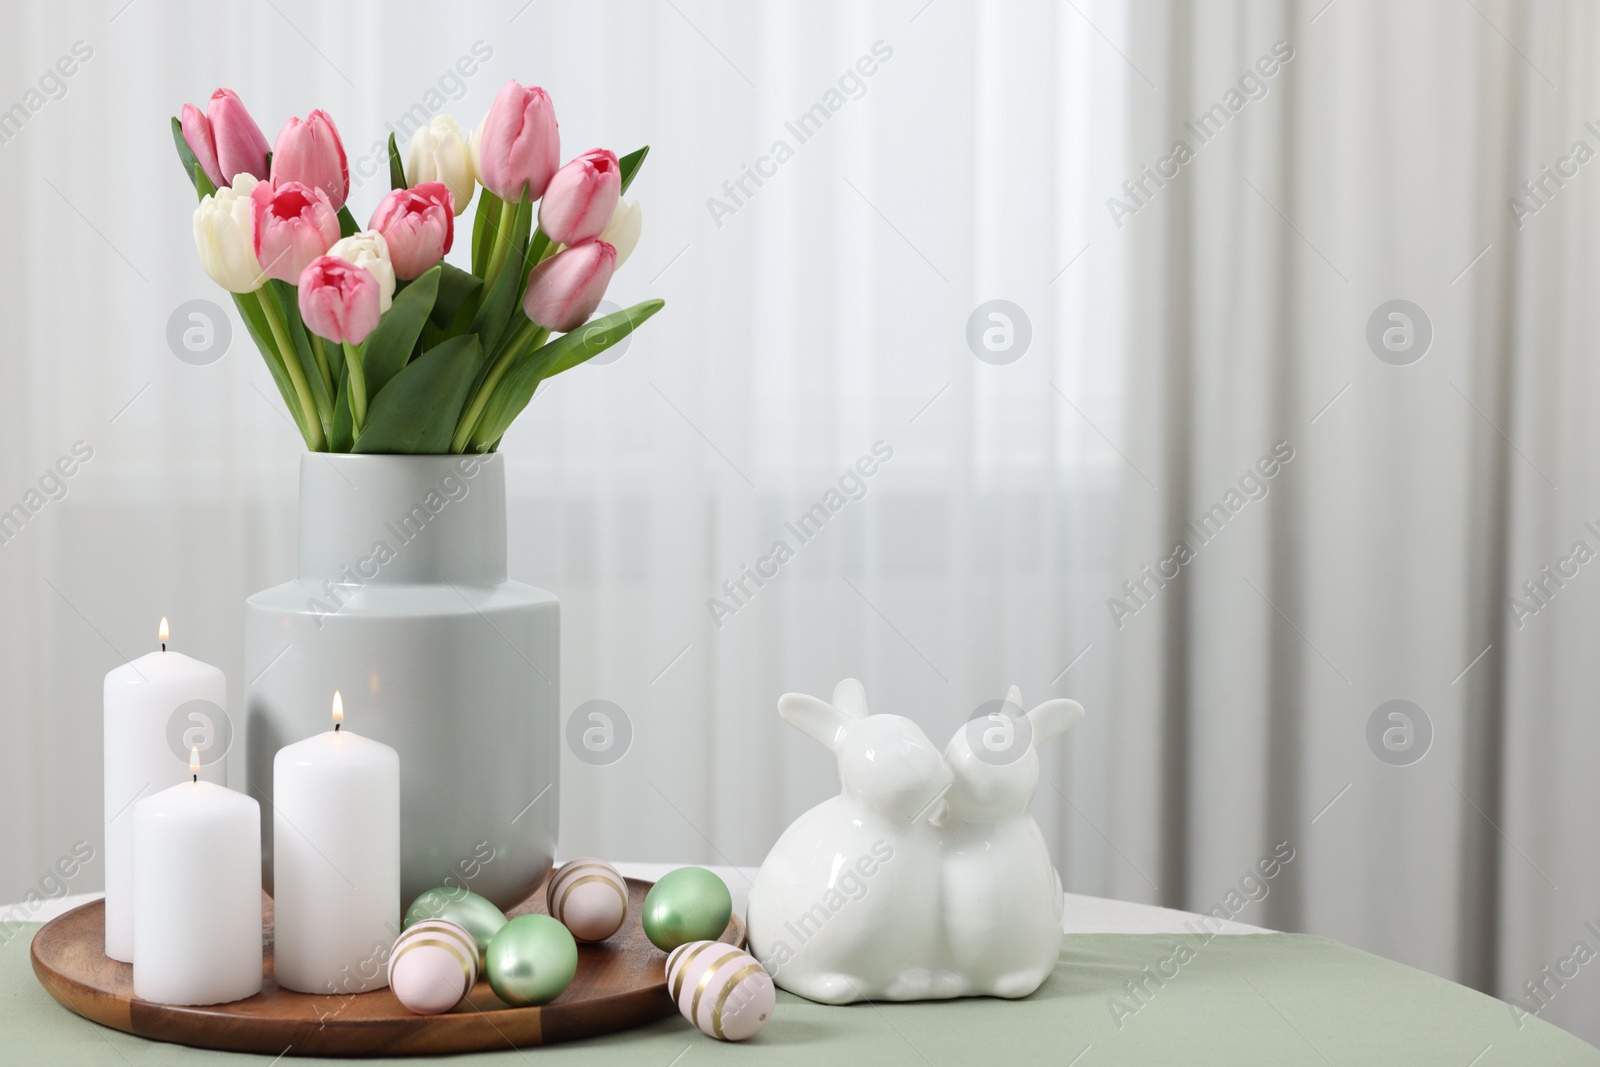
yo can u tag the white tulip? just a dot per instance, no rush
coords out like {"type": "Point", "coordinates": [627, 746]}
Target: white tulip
{"type": "Point", "coordinates": [474, 147]}
{"type": "Point", "coordinates": [224, 237]}
{"type": "Point", "coordinates": [438, 153]}
{"type": "Point", "coordinates": [369, 249]}
{"type": "Point", "coordinates": [622, 232]}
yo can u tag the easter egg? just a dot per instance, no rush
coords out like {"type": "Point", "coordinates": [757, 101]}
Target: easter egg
{"type": "Point", "coordinates": [466, 909]}
{"type": "Point", "coordinates": [688, 904]}
{"type": "Point", "coordinates": [432, 966]}
{"type": "Point", "coordinates": [531, 960]}
{"type": "Point", "coordinates": [588, 897]}
{"type": "Point", "coordinates": [720, 989]}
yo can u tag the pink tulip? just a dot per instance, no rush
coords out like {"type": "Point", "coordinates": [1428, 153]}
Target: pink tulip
{"type": "Point", "coordinates": [419, 224]}
{"type": "Point", "coordinates": [519, 143]}
{"type": "Point", "coordinates": [310, 152]}
{"type": "Point", "coordinates": [225, 139]}
{"type": "Point", "coordinates": [579, 200]}
{"type": "Point", "coordinates": [292, 224]}
{"type": "Point", "coordinates": [564, 290]}
{"type": "Point", "coordinates": [339, 300]}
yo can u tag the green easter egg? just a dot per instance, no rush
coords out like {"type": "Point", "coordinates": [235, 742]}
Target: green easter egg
{"type": "Point", "coordinates": [688, 904]}
{"type": "Point", "coordinates": [467, 910]}
{"type": "Point", "coordinates": [531, 960]}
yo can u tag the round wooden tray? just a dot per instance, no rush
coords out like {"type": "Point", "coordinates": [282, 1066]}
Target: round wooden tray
{"type": "Point", "coordinates": [620, 983]}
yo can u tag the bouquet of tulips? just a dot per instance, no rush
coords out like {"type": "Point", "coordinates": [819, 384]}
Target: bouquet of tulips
{"type": "Point", "coordinates": [376, 343]}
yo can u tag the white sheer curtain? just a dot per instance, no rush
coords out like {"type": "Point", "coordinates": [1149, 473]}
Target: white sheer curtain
{"type": "Point", "coordinates": [1386, 162]}
{"type": "Point", "coordinates": [825, 312]}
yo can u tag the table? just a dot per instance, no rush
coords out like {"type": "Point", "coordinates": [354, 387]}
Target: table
{"type": "Point", "coordinates": [1136, 985]}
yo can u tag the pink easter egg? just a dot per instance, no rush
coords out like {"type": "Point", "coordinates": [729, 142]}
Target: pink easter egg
{"type": "Point", "coordinates": [721, 989]}
{"type": "Point", "coordinates": [589, 897]}
{"type": "Point", "coordinates": [432, 966]}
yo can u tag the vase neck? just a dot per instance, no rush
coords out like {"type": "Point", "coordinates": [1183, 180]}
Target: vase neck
{"type": "Point", "coordinates": [402, 519]}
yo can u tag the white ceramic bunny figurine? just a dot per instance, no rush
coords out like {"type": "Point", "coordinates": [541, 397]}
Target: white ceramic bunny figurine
{"type": "Point", "coordinates": [999, 892]}
{"type": "Point", "coordinates": [846, 906]}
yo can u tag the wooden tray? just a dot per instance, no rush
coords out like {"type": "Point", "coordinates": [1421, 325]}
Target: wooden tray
{"type": "Point", "coordinates": [621, 983]}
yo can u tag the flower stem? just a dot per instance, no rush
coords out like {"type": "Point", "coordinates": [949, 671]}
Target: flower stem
{"type": "Point", "coordinates": [469, 421]}
{"type": "Point", "coordinates": [501, 247]}
{"type": "Point", "coordinates": [310, 421]}
{"type": "Point", "coordinates": [353, 357]}
{"type": "Point", "coordinates": [322, 364]}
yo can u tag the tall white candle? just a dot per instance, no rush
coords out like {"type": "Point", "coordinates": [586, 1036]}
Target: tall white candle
{"type": "Point", "coordinates": [140, 698]}
{"type": "Point", "coordinates": [197, 894]}
{"type": "Point", "coordinates": [335, 860]}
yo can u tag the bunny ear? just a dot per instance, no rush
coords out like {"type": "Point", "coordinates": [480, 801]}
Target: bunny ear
{"type": "Point", "coordinates": [815, 718]}
{"type": "Point", "coordinates": [850, 697]}
{"type": "Point", "coordinates": [1014, 696]}
{"type": "Point", "coordinates": [1052, 718]}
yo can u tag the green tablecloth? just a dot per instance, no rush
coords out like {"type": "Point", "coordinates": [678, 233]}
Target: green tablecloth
{"type": "Point", "coordinates": [1251, 999]}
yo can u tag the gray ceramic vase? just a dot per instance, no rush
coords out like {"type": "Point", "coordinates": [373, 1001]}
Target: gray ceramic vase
{"type": "Point", "coordinates": [402, 604]}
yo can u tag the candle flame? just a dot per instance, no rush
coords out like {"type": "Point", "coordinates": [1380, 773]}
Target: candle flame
{"type": "Point", "coordinates": [163, 632]}
{"type": "Point", "coordinates": [338, 708]}
{"type": "Point", "coordinates": [194, 759]}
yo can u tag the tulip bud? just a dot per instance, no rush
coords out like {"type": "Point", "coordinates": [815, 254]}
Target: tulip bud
{"type": "Point", "coordinates": [370, 251]}
{"type": "Point", "coordinates": [338, 300]}
{"type": "Point", "coordinates": [564, 290]}
{"type": "Point", "coordinates": [439, 153]}
{"type": "Point", "coordinates": [622, 232]}
{"type": "Point", "coordinates": [580, 198]}
{"type": "Point", "coordinates": [292, 225]}
{"type": "Point", "coordinates": [418, 224]}
{"type": "Point", "coordinates": [519, 145]}
{"type": "Point", "coordinates": [197, 132]}
{"type": "Point", "coordinates": [225, 139]}
{"type": "Point", "coordinates": [222, 231]}
{"type": "Point", "coordinates": [311, 153]}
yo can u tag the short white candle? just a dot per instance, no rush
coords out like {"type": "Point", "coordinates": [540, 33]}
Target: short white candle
{"type": "Point", "coordinates": [335, 861]}
{"type": "Point", "coordinates": [197, 894]}
{"type": "Point", "coordinates": [140, 698]}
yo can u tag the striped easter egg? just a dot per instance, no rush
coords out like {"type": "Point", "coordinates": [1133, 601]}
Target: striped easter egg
{"type": "Point", "coordinates": [588, 897]}
{"type": "Point", "coordinates": [432, 966]}
{"type": "Point", "coordinates": [720, 988]}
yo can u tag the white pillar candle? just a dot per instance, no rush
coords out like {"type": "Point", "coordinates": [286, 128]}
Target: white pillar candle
{"type": "Point", "coordinates": [140, 698]}
{"type": "Point", "coordinates": [335, 861]}
{"type": "Point", "coordinates": [197, 894]}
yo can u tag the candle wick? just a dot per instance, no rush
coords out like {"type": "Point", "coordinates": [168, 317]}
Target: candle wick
{"type": "Point", "coordinates": [336, 726]}
{"type": "Point", "coordinates": [163, 646]}
{"type": "Point", "coordinates": [194, 777]}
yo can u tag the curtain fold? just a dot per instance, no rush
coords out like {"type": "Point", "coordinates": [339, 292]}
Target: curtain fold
{"type": "Point", "coordinates": [1386, 161]}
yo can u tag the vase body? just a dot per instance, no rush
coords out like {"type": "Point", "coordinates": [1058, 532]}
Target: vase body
{"type": "Point", "coordinates": [402, 603]}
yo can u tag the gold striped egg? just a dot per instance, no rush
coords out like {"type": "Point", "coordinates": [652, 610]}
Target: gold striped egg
{"type": "Point", "coordinates": [432, 966]}
{"type": "Point", "coordinates": [588, 897]}
{"type": "Point", "coordinates": [721, 989]}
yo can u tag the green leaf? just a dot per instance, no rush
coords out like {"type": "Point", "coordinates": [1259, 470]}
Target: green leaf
{"type": "Point", "coordinates": [397, 172]}
{"type": "Point", "coordinates": [516, 388]}
{"type": "Point", "coordinates": [417, 411]}
{"type": "Point", "coordinates": [389, 347]}
{"type": "Point", "coordinates": [289, 303]}
{"type": "Point", "coordinates": [629, 165]}
{"type": "Point", "coordinates": [494, 314]}
{"type": "Point", "coordinates": [191, 165]}
{"type": "Point", "coordinates": [342, 437]}
{"type": "Point", "coordinates": [261, 333]}
{"type": "Point", "coordinates": [347, 221]}
{"type": "Point", "coordinates": [538, 248]}
{"type": "Point", "coordinates": [455, 286]}
{"type": "Point", "coordinates": [484, 221]}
